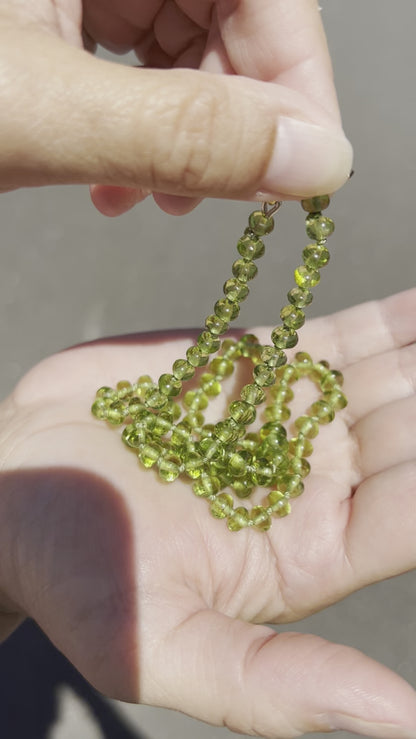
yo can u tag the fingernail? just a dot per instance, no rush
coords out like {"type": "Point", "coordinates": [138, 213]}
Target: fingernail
{"type": "Point", "coordinates": [307, 160]}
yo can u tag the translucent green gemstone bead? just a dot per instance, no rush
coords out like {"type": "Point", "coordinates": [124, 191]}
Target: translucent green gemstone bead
{"type": "Point", "coordinates": [260, 518]}
{"type": "Point", "coordinates": [99, 408]}
{"type": "Point", "coordinates": [237, 464]}
{"type": "Point", "coordinates": [230, 349]}
{"type": "Point", "coordinates": [319, 227]}
{"type": "Point", "coordinates": [106, 393]}
{"type": "Point", "coordinates": [315, 204]}
{"type": "Point", "coordinates": [273, 357]}
{"type": "Point", "coordinates": [263, 472]}
{"type": "Point", "coordinates": [133, 437]}
{"type": "Point", "coordinates": [210, 385]}
{"type": "Point", "coordinates": [235, 290]}
{"type": "Point", "coordinates": [275, 430]}
{"type": "Point", "coordinates": [307, 426]}
{"type": "Point", "coordinates": [244, 270]}
{"type": "Point", "coordinates": [300, 296]}
{"type": "Point", "coordinates": [305, 277]}
{"type": "Point", "coordinates": [336, 399]}
{"type": "Point", "coordinates": [116, 413]}
{"type": "Point", "coordinates": [207, 343]}
{"type": "Point", "coordinates": [252, 394]}
{"type": "Point", "coordinates": [290, 374]}
{"type": "Point", "coordinates": [303, 362]}
{"type": "Point", "coordinates": [196, 356]}
{"type": "Point", "coordinates": [292, 485]}
{"type": "Point", "coordinates": [180, 437]}
{"type": "Point", "coordinates": [282, 393]}
{"type": "Point", "coordinates": [277, 413]}
{"type": "Point", "coordinates": [278, 503]}
{"type": "Point", "coordinates": [182, 369]}
{"type": "Point", "coordinates": [284, 337]}
{"type": "Point", "coordinates": [299, 466]}
{"type": "Point", "coordinates": [226, 310]}
{"type": "Point", "coordinates": [239, 519]}
{"type": "Point", "coordinates": [162, 424]}
{"type": "Point", "coordinates": [300, 446]}
{"type": "Point", "coordinates": [144, 383]}
{"type": "Point", "coordinates": [206, 486]}
{"type": "Point", "coordinates": [155, 399]}
{"type": "Point", "coordinates": [228, 431]}
{"type": "Point", "coordinates": [248, 345]}
{"type": "Point", "coordinates": [315, 256]}
{"type": "Point", "coordinates": [169, 467]}
{"type": "Point", "coordinates": [135, 406]}
{"type": "Point", "coordinates": [150, 454]}
{"type": "Point", "coordinates": [193, 465]}
{"type": "Point", "coordinates": [322, 411]}
{"type": "Point", "coordinates": [169, 385]}
{"type": "Point", "coordinates": [222, 506]}
{"type": "Point", "coordinates": [331, 379]}
{"type": "Point", "coordinates": [221, 367]}
{"type": "Point", "coordinates": [263, 375]}
{"type": "Point", "coordinates": [250, 247]}
{"type": "Point", "coordinates": [194, 419]}
{"type": "Point", "coordinates": [260, 224]}
{"type": "Point", "coordinates": [216, 325]}
{"type": "Point", "coordinates": [250, 442]}
{"type": "Point", "coordinates": [195, 400]}
{"type": "Point", "coordinates": [292, 317]}
{"type": "Point", "coordinates": [242, 412]}
{"type": "Point", "coordinates": [124, 388]}
{"type": "Point", "coordinates": [210, 448]}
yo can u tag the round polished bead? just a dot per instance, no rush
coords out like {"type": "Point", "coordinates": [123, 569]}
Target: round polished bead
{"type": "Point", "coordinates": [169, 467]}
{"type": "Point", "coordinates": [284, 338]}
{"type": "Point", "coordinates": [239, 519]}
{"type": "Point", "coordinates": [155, 399]}
{"type": "Point", "coordinates": [196, 356]}
{"type": "Point", "coordinates": [144, 383]}
{"type": "Point", "coordinates": [315, 204]}
{"type": "Point", "coordinates": [150, 454]}
{"type": "Point", "coordinates": [244, 270]}
{"type": "Point", "coordinates": [248, 345]}
{"type": "Point", "coordinates": [243, 487]}
{"type": "Point", "coordinates": [307, 426]}
{"type": "Point", "coordinates": [222, 506]}
{"type": "Point", "coordinates": [277, 413]}
{"type": "Point", "coordinates": [242, 412]}
{"type": "Point", "coordinates": [226, 310]}
{"type": "Point", "coordinates": [124, 388]}
{"type": "Point", "coordinates": [135, 407]}
{"type": "Point", "coordinates": [228, 431]}
{"type": "Point", "coordinates": [290, 374]}
{"type": "Point", "coordinates": [250, 247]}
{"type": "Point", "coordinates": [292, 317]}
{"type": "Point", "coordinates": [260, 224]}
{"type": "Point", "coordinates": [300, 446]}
{"type": "Point", "coordinates": [260, 518]}
{"type": "Point", "coordinates": [322, 411]}
{"type": "Point", "coordinates": [206, 486]}
{"type": "Point", "coordinates": [299, 466]}
{"type": "Point", "coordinates": [182, 369]}
{"type": "Point", "coordinates": [116, 413]}
{"type": "Point", "coordinates": [194, 419]}
{"type": "Point", "coordinates": [221, 367]}
{"type": "Point", "coordinates": [278, 503]}
{"type": "Point", "coordinates": [99, 408]}
{"type": "Point", "coordinates": [207, 343]}
{"type": "Point", "coordinates": [250, 442]}
{"type": "Point", "coordinates": [237, 464]}
{"type": "Point", "coordinates": [230, 349]}
{"type": "Point", "coordinates": [273, 357]}
{"type": "Point", "coordinates": [210, 448]}
{"type": "Point", "coordinates": [331, 379]}
{"type": "Point", "coordinates": [273, 429]}
{"type": "Point", "coordinates": [315, 256]}
{"type": "Point", "coordinates": [303, 362]}
{"type": "Point", "coordinates": [263, 472]}
{"type": "Point", "coordinates": [305, 277]}
{"type": "Point", "coordinates": [235, 290]}
{"type": "Point", "coordinates": [106, 393]}
{"type": "Point", "coordinates": [210, 385]}
{"type": "Point", "coordinates": [292, 485]}
{"type": "Point", "coordinates": [263, 375]}
{"type": "Point", "coordinates": [216, 325]}
{"type": "Point", "coordinates": [195, 400]}
{"type": "Point", "coordinates": [300, 296]}
{"type": "Point", "coordinates": [252, 394]}
{"type": "Point", "coordinates": [336, 399]}
{"type": "Point", "coordinates": [169, 385]}
{"type": "Point", "coordinates": [180, 437]}
{"type": "Point", "coordinates": [133, 437]}
{"type": "Point", "coordinates": [162, 424]}
{"type": "Point", "coordinates": [319, 227]}
{"type": "Point", "coordinates": [193, 465]}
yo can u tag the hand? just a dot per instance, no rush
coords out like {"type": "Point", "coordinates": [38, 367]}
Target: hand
{"type": "Point", "coordinates": [254, 112]}
{"type": "Point", "coordinates": [155, 601]}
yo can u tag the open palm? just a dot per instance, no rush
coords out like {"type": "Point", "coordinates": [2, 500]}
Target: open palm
{"type": "Point", "coordinates": [154, 600]}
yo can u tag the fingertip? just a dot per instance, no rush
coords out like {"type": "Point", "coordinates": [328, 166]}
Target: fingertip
{"type": "Point", "coordinates": [112, 201]}
{"type": "Point", "coordinates": [175, 205]}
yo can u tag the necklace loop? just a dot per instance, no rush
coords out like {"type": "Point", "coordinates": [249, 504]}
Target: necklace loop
{"type": "Point", "coordinates": [268, 209]}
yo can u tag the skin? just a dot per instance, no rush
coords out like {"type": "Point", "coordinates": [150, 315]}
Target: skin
{"type": "Point", "coordinates": [155, 601]}
{"type": "Point", "coordinates": [224, 88]}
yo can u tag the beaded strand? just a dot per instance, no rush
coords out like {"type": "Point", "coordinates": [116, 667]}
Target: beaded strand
{"type": "Point", "coordinates": [174, 438]}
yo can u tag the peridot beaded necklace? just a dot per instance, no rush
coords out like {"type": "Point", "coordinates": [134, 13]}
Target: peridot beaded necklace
{"type": "Point", "coordinates": [166, 427]}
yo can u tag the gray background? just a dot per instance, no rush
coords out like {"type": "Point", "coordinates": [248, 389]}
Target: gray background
{"type": "Point", "coordinates": [69, 274]}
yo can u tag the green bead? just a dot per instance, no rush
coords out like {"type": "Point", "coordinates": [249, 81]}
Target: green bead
{"type": "Point", "coordinates": [124, 388]}
{"type": "Point", "coordinates": [99, 409]}
{"type": "Point", "coordinates": [150, 454]}
{"type": "Point", "coordinates": [226, 310]}
{"type": "Point", "coordinates": [116, 413]}
{"type": "Point", "coordinates": [273, 357]}
{"type": "Point", "coordinates": [133, 437]}
{"type": "Point", "coordinates": [291, 485]}
{"type": "Point", "coordinates": [315, 256]}
{"type": "Point", "coordinates": [242, 412]}
{"type": "Point", "coordinates": [248, 345]}
{"type": "Point", "coordinates": [237, 464]}
{"type": "Point", "coordinates": [244, 270]}
{"type": "Point", "coordinates": [228, 431]}
{"type": "Point", "coordinates": [322, 411]}
{"type": "Point", "coordinates": [284, 338]}
{"type": "Point", "coordinates": [207, 343]}
{"type": "Point", "coordinates": [277, 413]}
{"type": "Point", "coordinates": [206, 486]}
{"type": "Point", "coordinates": [299, 466]}
{"type": "Point", "coordinates": [144, 383]}
{"type": "Point", "coordinates": [263, 375]}
{"type": "Point", "coordinates": [275, 430]}
{"type": "Point", "coordinates": [195, 400]}
{"type": "Point", "coordinates": [260, 224]}
{"type": "Point", "coordinates": [252, 394]}
{"type": "Point", "coordinates": [319, 227]}
{"type": "Point", "coordinates": [235, 290]}
{"type": "Point", "coordinates": [221, 367]}
{"type": "Point", "coordinates": [303, 362]}
{"type": "Point", "coordinates": [194, 419]}
{"type": "Point", "coordinates": [210, 385]}
{"type": "Point", "coordinates": [180, 436]}
{"type": "Point", "coordinates": [239, 519]}
{"type": "Point", "coordinates": [307, 426]}
{"type": "Point", "coordinates": [250, 247]}
{"type": "Point", "coordinates": [169, 385]}
{"type": "Point", "coordinates": [300, 297]}
{"type": "Point", "coordinates": [305, 277]}
{"type": "Point", "coordinates": [155, 399]}
{"type": "Point", "coordinates": [290, 374]}
{"type": "Point", "coordinates": [292, 317]}
{"type": "Point", "coordinates": [193, 465]}
{"type": "Point", "coordinates": [263, 472]}
{"type": "Point", "coordinates": [196, 356]}
{"type": "Point", "coordinates": [182, 369]}
{"type": "Point", "coordinates": [135, 406]}
{"type": "Point", "coordinates": [169, 467]}
{"type": "Point", "coordinates": [250, 442]}
{"type": "Point", "coordinates": [300, 446]}
{"type": "Point", "coordinates": [315, 204]}
{"type": "Point", "coordinates": [216, 325]}
{"type": "Point", "coordinates": [230, 349]}
{"type": "Point", "coordinates": [210, 448]}
{"type": "Point", "coordinates": [162, 424]}
{"type": "Point", "coordinates": [278, 503]}
{"type": "Point", "coordinates": [336, 399]}
{"type": "Point", "coordinates": [331, 379]}
{"type": "Point", "coordinates": [260, 518]}
{"type": "Point", "coordinates": [106, 393]}
{"type": "Point", "coordinates": [222, 506]}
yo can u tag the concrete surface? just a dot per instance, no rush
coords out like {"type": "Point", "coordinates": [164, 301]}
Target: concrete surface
{"type": "Point", "coordinates": [68, 274]}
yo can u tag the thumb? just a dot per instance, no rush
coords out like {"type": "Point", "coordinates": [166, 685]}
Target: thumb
{"type": "Point", "coordinates": [67, 117]}
{"type": "Point", "coordinates": [255, 681]}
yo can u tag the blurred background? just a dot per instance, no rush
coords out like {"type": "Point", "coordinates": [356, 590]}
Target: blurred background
{"type": "Point", "coordinates": [69, 274]}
